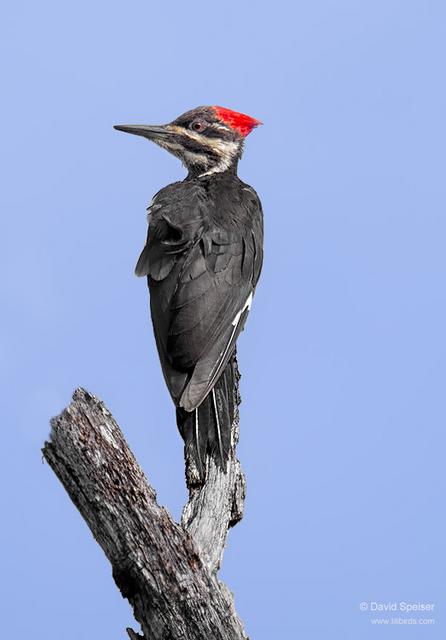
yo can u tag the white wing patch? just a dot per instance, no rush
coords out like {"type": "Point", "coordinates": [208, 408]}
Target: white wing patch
{"type": "Point", "coordinates": [185, 399]}
{"type": "Point", "coordinates": [247, 305]}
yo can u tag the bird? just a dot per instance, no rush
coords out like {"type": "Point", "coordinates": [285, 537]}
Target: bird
{"type": "Point", "coordinates": [202, 258]}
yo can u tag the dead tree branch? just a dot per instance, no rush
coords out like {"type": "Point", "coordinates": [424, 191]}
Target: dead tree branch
{"type": "Point", "coordinates": [167, 571]}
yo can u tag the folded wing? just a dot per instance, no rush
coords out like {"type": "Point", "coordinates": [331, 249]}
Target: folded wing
{"type": "Point", "coordinates": [202, 276]}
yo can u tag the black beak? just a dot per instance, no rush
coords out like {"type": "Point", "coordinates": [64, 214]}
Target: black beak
{"type": "Point", "coordinates": [152, 132]}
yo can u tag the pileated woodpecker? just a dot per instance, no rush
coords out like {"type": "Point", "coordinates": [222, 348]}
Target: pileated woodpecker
{"type": "Point", "coordinates": [202, 259]}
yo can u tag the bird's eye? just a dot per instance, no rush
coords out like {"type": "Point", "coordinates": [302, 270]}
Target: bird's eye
{"type": "Point", "coordinates": [198, 125]}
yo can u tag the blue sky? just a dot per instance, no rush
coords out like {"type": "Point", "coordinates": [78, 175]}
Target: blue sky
{"type": "Point", "coordinates": [343, 359]}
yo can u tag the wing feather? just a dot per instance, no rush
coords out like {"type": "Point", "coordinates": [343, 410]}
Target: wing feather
{"type": "Point", "coordinates": [202, 266]}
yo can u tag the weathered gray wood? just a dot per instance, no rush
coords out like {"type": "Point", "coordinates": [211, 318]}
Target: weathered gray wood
{"type": "Point", "coordinates": [165, 570]}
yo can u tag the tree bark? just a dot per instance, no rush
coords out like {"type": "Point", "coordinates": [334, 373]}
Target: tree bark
{"type": "Point", "coordinates": [166, 570]}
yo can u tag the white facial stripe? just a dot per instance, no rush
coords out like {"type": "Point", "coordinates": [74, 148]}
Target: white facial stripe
{"type": "Point", "coordinates": [188, 157]}
{"type": "Point", "coordinates": [195, 158]}
{"type": "Point", "coordinates": [220, 127]}
{"type": "Point", "coordinates": [227, 151]}
{"type": "Point", "coordinates": [224, 147]}
{"type": "Point", "coordinates": [215, 143]}
{"type": "Point", "coordinates": [194, 135]}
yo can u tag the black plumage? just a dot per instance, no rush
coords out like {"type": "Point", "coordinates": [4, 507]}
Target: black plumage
{"type": "Point", "coordinates": [202, 258]}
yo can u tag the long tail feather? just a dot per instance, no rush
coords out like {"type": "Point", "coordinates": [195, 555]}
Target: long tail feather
{"type": "Point", "coordinates": [207, 429]}
{"type": "Point", "coordinates": [197, 442]}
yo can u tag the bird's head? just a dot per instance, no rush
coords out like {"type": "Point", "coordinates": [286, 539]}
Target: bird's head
{"type": "Point", "coordinates": [207, 139]}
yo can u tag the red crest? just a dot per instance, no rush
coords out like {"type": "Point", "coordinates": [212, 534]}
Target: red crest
{"type": "Point", "coordinates": [242, 123]}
